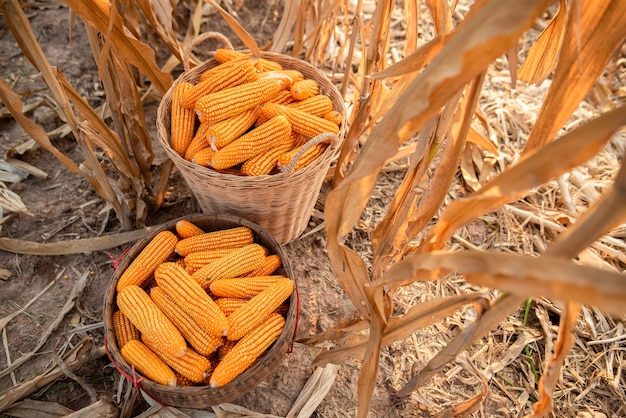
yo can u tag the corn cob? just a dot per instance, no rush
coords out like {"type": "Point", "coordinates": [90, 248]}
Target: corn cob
{"type": "Point", "coordinates": [303, 89]}
{"type": "Point", "coordinates": [226, 238]}
{"type": "Point", "coordinates": [283, 97]}
{"type": "Point", "coordinates": [238, 262]}
{"type": "Point", "coordinates": [183, 120]}
{"type": "Point", "coordinates": [159, 249]}
{"type": "Point", "coordinates": [252, 143]}
{"type": "Point", "coordinates": [188, 294]}
{"type": "Point", "coordinates": [265, 162]}
{"type": "Point", "coordinates": [198, 143]}
{"type": "Point", "coordinates": [135, 303]}
{"type": "Point", "coordinates": [203, 157]}
{"type": "Point", "coordinates": [234, 74]}
{"type": "Point", "coordinates": [221, 67]}
{"type": "Point", "coordinates": [148, 363]}
{"type": "Point", "coordinates": [305, 159]}
{"type": "Point", "coordinates": [182, 381]}
{"type": "Point", "coordinates": [270, 265]}
{"type": "Point", "coordinates": [223, 55]}
{"type": "Point", "coordinates": [334, 116]}
{"type": "Point", "coordinates": [292, 75]}
{"type": "Point", "coordinates": [192, 365]}
{"type": "Point", "coordinates": [223, 104]}
{"type": "Point", "coordinates": [223, 133]}
{"type": "Point", "coordinates": [200, 339]}
{"type": "Point", "coordinates": [224, 349]}
{"type": "Point", "coordinates": [257, 309]}
{"type": "Point", "coordinates": [186, 229]}
{"type": "Point", "coordinates": [318, 105]}
{"type": "Point", "coordinates": [301, 122]}
{"type": "Point", "coordinates": [124, 329]}
{"type": "Point", "coordinates": [229, 305]}
{"type": "Point", "coordinates": [247, 350]}
{"type": "Point", "coordinates": [242, 287]}
{"type": "Point", "coordinates": [199, 259]}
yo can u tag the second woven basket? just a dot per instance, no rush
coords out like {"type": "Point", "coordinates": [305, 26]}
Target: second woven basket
{"type": "Point", "coordinates": [281, 203]}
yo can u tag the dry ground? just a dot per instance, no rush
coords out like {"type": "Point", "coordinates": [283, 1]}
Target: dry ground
{"type": "Point", "coordinates": [64, 207]}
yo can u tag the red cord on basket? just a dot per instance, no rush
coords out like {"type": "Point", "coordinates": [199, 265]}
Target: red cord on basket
{"type": "Point", "coordinates": [116, 261]}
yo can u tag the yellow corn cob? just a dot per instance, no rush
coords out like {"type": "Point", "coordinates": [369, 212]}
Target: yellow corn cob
{"type": "Point", "coordinates": [135, 303]}
{"type": "Point", "coordinates": [318, 105]}
{"type": "Point", "coordinates": [224, 349]}
{"type": "Point", "coordinates": [293, 75]}
{"type": "Point", "coordinates": [283, 97]}
{"type": "Point", "coordinates": [299, 140]}
{"type": "Point", "coordinates": [265, 162]}
{"type": "Point", "coordinates": [148, 363]}
{"type": "Point", "coordinates": [229, 305]}
{"type": "Point", "coordinates": [226, 238]}
{"type": "Point", "coordinates": [183, 120]}
{"type": "Point", "coordinates": [220, 67]}
{"type": "Point", "coordinates": [334, 116]}
{"type": "Point", "coordinates": [270, 265]}
{"type": "Point", "coordinates": [192, 365]}
{"type": "Point", "coordinates": [305, 159]}
{"type": "Point", "coordinates": [240, 261]}
{"type": "Point", "coordinates": [303, 89]}
{"type": "Point", "coordinates": [223, 55]}
{"type": "Point", "coordinates": [252, 143]}
{"type": "Point", "coordinates": [200, 339]}
{"type": "Point", "coordinates": [237, 72]}
{"type": "Point", "coordinates": [301, 122]}
{"type": "Point", "coordinates": [159, 249]}
{"type": "Point", "coordinates": [199, 259]}
{"type": "Point", "coordinates": [182, 381]}
{"type": "Point", "coordinates": [124, 329]}
{"type": "Point", "coordinates": [198, 143]}
{"type": "Point", "coordinates": [242, 287]}
{"type": "Point", "coordinates": [188, 294]}
{"type": "Point", "coordinates": [257, 309]}
{"type": "Point", "coordinates": [223, 133]}
{"type": "Point", "coordinates": [247, 350]}
{"type": "Point", "coordinates": [223, 104]}
{"type": "Point", "coordinates": [186, 229]}
{"type": "Point", "coordinates": [203, 157]}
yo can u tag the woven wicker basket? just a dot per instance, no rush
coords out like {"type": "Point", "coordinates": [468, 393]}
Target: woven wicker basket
{"type": "Point", "coordinates": [281, 203]}
{"type": "Point", "coordinates": [204, 396]}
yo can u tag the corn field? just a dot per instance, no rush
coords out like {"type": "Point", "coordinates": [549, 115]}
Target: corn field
{"type": "Point", "coordinates": [493, 115]}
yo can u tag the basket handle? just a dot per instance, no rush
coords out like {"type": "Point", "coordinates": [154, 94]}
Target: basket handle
{"type": "Point", "coordinates": [323, 137]}
{"type": "Point", "coordinates": [198, 40]}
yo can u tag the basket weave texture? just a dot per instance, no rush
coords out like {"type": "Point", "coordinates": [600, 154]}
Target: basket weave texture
{"type": "Point", "coordinates": [204, 396]}
{"type": "Point", "coordinates": [281, 203]}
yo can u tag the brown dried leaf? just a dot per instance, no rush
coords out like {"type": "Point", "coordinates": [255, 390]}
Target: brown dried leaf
{"type": "Point", "coordinates": [159, 14]}
{"type": "Point", "coordinates": [594, 31]}
{"type": "Point", "coordinates": [127, 47]}
{"type": "Point", "coordinates": [555, 158]}
{"type": "Point", "coordinates": [548, 276]}
{"type": "Point", "coordinates": [240, 31]}
{"type": "Point", "coordinates": [542, 55]}
{"type": "Point", "coordinates": [552, 372]}
{"type": "Point", "coordinates": [285, 27]}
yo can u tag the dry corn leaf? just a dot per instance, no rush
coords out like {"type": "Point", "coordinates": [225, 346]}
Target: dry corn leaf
{"type": "Point", "coordinates": [399, 327]}
{"type": "Point", "coordinates": [442, 15]}
{"type": "Point", "coordinates": [11, 201]}
{"type": "Point", "coordinates": [240, 31]}
{"type": "Point", "coordinates": [285, 27]}
{"type": "Point", "coordinates": [128, 48]}
{"type": "Point", "coordinates": [552, 372]}
{"type": "Point", "coordinates": [479, 40]}
{"type": "Point", "coordinates": [542, 55]}
{"type": "Point", "coordinates": [159, 13]}
{"type": "Point", "coordinates": [595, 29]}
{"type": "Point", "coordinates": [552, 277]}
{"type": "Point", "coordinates": [555, 159]}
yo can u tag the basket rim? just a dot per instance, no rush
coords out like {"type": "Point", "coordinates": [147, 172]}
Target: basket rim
{"type": "Point", "coordinates": [205, 395]}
